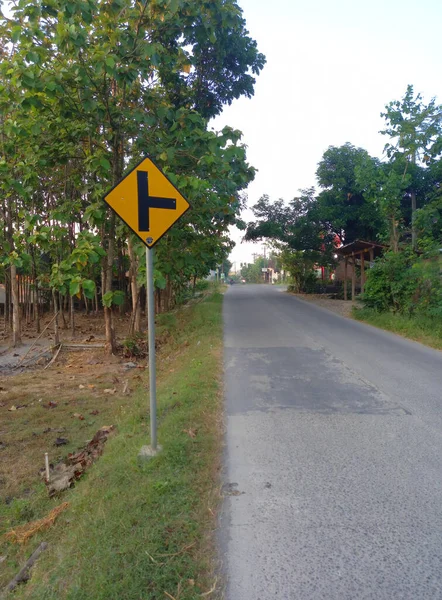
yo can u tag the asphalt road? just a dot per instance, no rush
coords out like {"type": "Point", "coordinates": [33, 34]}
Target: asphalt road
{"type": "Point", "coordinates": [333, 466]}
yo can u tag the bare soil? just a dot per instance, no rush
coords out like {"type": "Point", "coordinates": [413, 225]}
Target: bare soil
{"type": "Point", "coordinates": [340, 307]}
{"type": "Point", "coordinates": [79, 393]}
{"type": "Point", "coordinates": [89, 330]}
{"type": "Point", "coordinates": [72, 399]}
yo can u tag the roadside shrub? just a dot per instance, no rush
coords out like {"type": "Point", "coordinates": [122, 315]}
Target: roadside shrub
{"type": "Point", "coordinates": [406, 283]}
{"type": "Point", "coordinates": [303, 281]}
{"type": "Point", "coordinates": [311, 284]}
{"type": "Point", "coordinates": [202, 285]}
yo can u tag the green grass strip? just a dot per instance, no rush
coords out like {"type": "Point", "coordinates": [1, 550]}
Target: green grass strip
{"type": "Point", "coordinates": [144, 530]}
{"type": "Point", "coordinates": [426, 330]}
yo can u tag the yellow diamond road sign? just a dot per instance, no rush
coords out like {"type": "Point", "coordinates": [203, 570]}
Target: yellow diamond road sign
{"type": "Point", "coordinates": [147, 202]}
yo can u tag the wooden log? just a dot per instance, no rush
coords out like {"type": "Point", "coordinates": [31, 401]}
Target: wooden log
{"type": "Point", "coordinates": [83, 346]}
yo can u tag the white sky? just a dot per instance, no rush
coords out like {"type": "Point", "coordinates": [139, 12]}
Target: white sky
{"type": "Point", "coordinates": [331, 68]}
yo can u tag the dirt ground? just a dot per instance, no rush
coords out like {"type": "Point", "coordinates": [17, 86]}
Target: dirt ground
{"type": "Point", "coordinates": [340, 307]}
{"type": "Point", "coordinates": [37, 352]}
{"type": "Point", "coordinates": [58, 409]}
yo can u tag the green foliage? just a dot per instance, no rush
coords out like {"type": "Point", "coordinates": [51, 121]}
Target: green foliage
{"type": "Point", "coordinates": [252, 272]}
{"type": "Point", "coordinates": [87, 89]}
{"type": "Point", "coordinates": [301, 266]}
{"type": "Point", "coordinates": [116, 298]}
{"type": "Point", "coordinates": [296, 225]}
{"type": "Point", "coordinates": [428, 219]}
{"type": "Point", "coordinates": [202, 285]}
{"type": "Point", "coordinates": [384, 187]}
{"type": "Point", "coordinates": [405, 283]}
{"type": "Point", "coordinates": [362, 197]}
{"type": "Point", "coordinates": [415, 129]}
{"type": "Point", "coordinates": [343, 203]}
{"type": "Point", "coordinates": [414, 126]}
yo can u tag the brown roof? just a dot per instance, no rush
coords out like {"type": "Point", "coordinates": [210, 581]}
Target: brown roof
{"type": "Point", "coordinates": [359, 246]}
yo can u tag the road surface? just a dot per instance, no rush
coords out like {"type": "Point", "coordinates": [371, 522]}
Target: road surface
{"type": "Point", "coordinates": [333, 466]}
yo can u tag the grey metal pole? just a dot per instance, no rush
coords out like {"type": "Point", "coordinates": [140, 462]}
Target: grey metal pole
{"type": "Point", "coordinates": [151, 338]}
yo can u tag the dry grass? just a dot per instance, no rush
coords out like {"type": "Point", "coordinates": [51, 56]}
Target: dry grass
{"type": "Point", "coordinates": [20, 535]}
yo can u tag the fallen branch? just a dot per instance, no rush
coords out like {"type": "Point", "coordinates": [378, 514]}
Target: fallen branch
{"type": "Point", "coordinates": [23, 574]}
{"type": "Point", "coordinates": [33, 358]}
{"type": "Point", "coordinates": [54, 358]}
{"type": "Point", "coordinates": [83, 346]}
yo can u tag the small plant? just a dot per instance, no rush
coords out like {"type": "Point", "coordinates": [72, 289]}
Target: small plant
{"type": "Point", "coordinates": [135, 346]}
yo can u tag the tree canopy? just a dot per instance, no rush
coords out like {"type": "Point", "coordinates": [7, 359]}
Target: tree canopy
{"type": "Point", "coordinates": [395, 201]}
{"type": "Point", "coordinates": [87, 89]}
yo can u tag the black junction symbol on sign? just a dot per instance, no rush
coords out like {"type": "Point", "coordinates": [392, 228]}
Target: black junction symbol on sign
{"type": "Point", "coordinates": [145, 202]}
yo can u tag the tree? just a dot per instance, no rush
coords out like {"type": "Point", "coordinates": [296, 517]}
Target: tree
{"type": "Point", "coordinates": [222, 59]}
{"type": "Point", "coordinates": [303, 240]}
{"type": "Point", "coordinates": [87, 89]}
{"type": "Point", "coordinates": [415, 128]}
{"type": "Point", "coordinates": [296, 225]}
{"type": "Point", "coordinates": [342, 203]}
{"type": "Point", "coordinates": [428, 219]}
{"type": "Point", "coordinates": [384, 187]}
{"type": "Point", "coordinates": [252, 272]}
{"type": "Point", "coordinates": [301, 267]}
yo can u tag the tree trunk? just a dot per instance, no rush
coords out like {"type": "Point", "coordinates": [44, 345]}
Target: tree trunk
{"type": "Point", "coordinates": [413, 210]}
{"type": "Point", "coordinates": [62, 301]}
{"type": "Point", "coordinates": [8, 305]}
{"type": "Point", "coordinates": [56, 330]}
{"type": "Point", "coordinates": [86, 305]}
{"type": "Point", "coordinates": [16, 333]}
{"type": "Point", "coordinates": [72, 316]}
{"type": "Point", "coordinates": [133, 274]}
{"type": "Point", "coordinates": [413, 226]}
{"type": "Point", "coordinates": [37, 309]}
{"type": "Point", "coordinates": [108, 315]}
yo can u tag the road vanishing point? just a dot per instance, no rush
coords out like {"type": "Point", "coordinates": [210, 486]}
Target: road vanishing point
{"type": "Point", "coordinates": [333, 461]}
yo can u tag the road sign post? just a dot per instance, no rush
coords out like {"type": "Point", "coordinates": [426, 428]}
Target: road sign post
{"type": "Point", "coordinates": [149, 203]}
{"type": "Point", "coordinates": [151, 348]}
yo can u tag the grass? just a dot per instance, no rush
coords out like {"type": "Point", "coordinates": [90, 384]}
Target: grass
{"type": "Point", "coordinates": [138, 530]}
{"type": "Point", "coordinates": [426, 330]}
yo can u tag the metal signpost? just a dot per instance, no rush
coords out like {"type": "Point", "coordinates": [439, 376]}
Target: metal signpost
{"type": "Point", "coordinates": [149, 204]}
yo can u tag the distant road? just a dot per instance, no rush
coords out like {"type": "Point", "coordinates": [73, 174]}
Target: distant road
{"type": "Point", "coordinates": [333, 474]}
